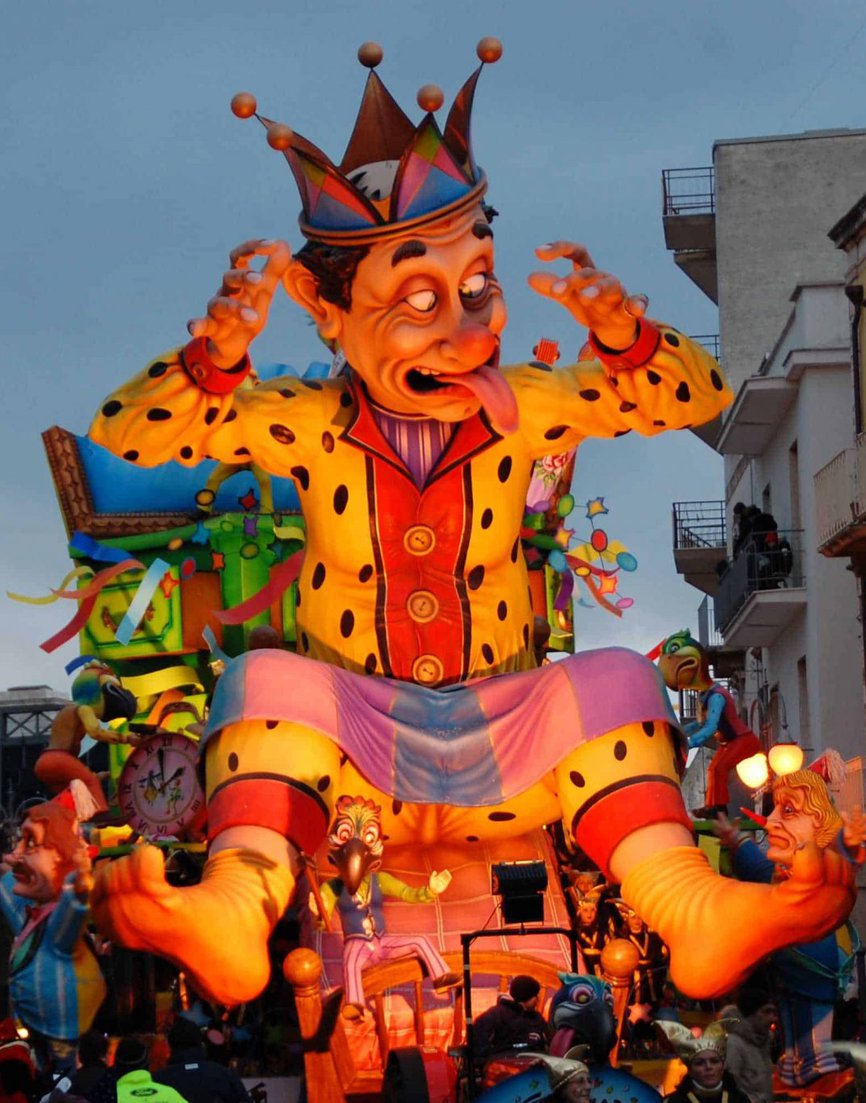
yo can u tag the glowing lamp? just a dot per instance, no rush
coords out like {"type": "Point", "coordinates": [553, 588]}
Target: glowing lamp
{"type": "Point", "coordinates": [785, 758]}
{"type": "Point", "coordinates": [753, 771]}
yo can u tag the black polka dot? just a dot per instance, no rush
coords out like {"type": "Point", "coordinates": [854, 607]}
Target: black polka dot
{"type": "Point", "coordinates": [716, 380]}
{"type": "Point", "coordinates": [241, 451]}
{"type": "Point", "coordinates": [526, 635]}
{"type": "Point", "coordinates": [233, 762]}
{"type": "Point", "coordinates": [614, 382]}
{"type": "Point", "coordinates": [347, 623]}
{"type": "Point", "coordinates": [341, 498]}
{"type": "Point", "coordinates": [472, 838]}
{"type": "Point", "coordinates": [556, 432]}
{"type": "Point", "coordinates": [271, 724]}
{"type": "Point", "coordinates": [365, 573]}
{"type": "Point", "coordinates": [305, 643]}
{"type": "Point", "coordinates": [502, 817]}
{"type": "Point", "coordinates": [131, 455]}
{"type": "Point", "coordinates": [370, 664]}
{"type": "Point", "coordinates": [297, 596]}
{"type": "Point", "coordinates": [627, 407]}
{"type": "Point", "coordinates": [345, 399]}
{"type": "Point", "coordinates": [672, 339]}
{"type": "Point", "coordinates": [540, 365]}
{"type": "Point", "coordinates": [112, 408]}
{"type": "Point", "coordinates": [487, 652]}
{"type": "Point", "coordinates": [186, 452]}
{"type": "Point", "coordinates": [504, 469]}
{"type": "Point", "coordinates": [318, 576]}
{"type": "Point", "coordinates": [475, 577]}
{"type": "Point", "coordinates": [344, 758]}
{"type": "Point", "coordinates": [515, 550]}
{"type": "Point", "coordinates": [286, 392]}
{"type": "Point", "coordinates": [620, 750]}
{"type": "Point", "coordinates": [396, 807]}
{"type": "Point", "coordinates": [487, 518]}
{"type": "Point", "coordinates": [302, 475]}
{"type": "Point", "coordinates": [323, 783]}
{"type": "Point", "coordinates": [313, 384]}
{"type": "Point", "coordinates": [683, 392]}
{"type": "Point", "coordinates": [211, 416]}
{"type": "Point", "coordinates": [157, 369]}
{"type": "Point", "coordinates": [502, 610]}
{"type": "Point", "coordinates": [622, 432]}
{"type": "Point", "coordinates": [282, 434]}
{"type": "Point", "coordinates": [590, 395]}
{"type": "Point", "coordinates": [158, 414]}
{"type": "Point", "coordinates": [661, 423]}
{"type": "Point", "coordinates": [577, 779]}
{"type": "Point", "coordinates": [653, 377]}
{"type": "Point", "coordinates": [649, 727]}
{"type": "Point", "coordinates": [327, 441]}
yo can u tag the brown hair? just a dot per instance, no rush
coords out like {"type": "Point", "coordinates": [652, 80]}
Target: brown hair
{"type": "Point", "coordinates": [61, 828]}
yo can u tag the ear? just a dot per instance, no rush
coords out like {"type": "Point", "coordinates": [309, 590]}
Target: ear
{"type": "Point", "coordinates": [301, 286]}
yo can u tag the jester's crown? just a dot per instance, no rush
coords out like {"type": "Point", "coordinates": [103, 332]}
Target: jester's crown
{"type": "Point", "coordinates": [393, 174]}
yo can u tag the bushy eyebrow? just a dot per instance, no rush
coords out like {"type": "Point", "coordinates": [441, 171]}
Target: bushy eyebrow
{"type": "Point", "coordinates": [407, 251]}
{"type": "Point", "coordinates": [481, 230]}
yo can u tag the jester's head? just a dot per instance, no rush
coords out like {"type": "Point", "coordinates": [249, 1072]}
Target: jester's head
{"type": "Point", "coordinates": [803, 812]}
{"type": "Point", "coordinates": [98, 687]}
{"type": "Point", "coordinates": [581, 1013]}
{"type": "Point", "coordinates": [684, 663]}
{"type": "Point", "coordinates": [355, 840]}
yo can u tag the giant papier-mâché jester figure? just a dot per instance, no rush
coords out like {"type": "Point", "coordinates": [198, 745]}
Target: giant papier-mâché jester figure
{"type": "Point", "coordinates": [415, 683]}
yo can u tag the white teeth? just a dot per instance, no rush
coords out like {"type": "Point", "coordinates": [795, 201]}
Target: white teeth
{"type": "Point", "coordinates": [427, 371]}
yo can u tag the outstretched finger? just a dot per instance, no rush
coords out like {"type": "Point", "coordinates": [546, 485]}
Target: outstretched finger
{"type": "Point", "coordinates": [241, 255]}
{"type": "Point", "coordinates": [572, 250]}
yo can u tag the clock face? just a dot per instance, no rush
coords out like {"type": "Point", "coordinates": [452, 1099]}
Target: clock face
{"type": "Point", "coordinates": [159, 790]}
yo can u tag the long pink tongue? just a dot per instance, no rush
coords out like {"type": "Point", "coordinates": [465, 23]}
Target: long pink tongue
{"type": "Point", "coordinates": [497, 398]}
{"type": "Point", "coordinates": [561, 1042]}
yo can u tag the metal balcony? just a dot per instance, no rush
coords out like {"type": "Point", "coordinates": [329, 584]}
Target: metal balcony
{"type": "Point", "coordinates": [725, 659]}
{"type": "Point", "coordinates": [689, 219]}
{"type": "Point", "coordinates": [699, 542]}
{"type": "Point", "coordinates": [840, 497]}
{"type": "Point", "coordinates": [761, 592]}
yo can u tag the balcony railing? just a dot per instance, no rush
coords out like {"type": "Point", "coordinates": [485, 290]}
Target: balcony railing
{"type": "Point", "coordinates": [709, 341]}
{"type": "Point", "coordinates": [699, 525]}
{"type": "Point", "coordinates": [840, 492]}
{"type": "Point", "coordinates": [689, 191]}
{"type": "Point", "coordinates": [760, 567]}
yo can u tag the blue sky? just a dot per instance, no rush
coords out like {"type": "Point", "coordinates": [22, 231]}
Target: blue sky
{"type": "Point", "coordinates": [126, 181]}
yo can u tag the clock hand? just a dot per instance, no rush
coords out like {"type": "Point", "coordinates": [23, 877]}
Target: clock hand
{"type": "Point", "coordinates": [177, 773]}
{"type": "Point", "coordinates": [160, 754]}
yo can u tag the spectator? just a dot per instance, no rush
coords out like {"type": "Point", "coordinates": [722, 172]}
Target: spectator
{"type": "Point", "coordinates": [189, 1071]}
{"type": "Point", "coordinates": [513, 1021]}
{"type": "Point", "coordinates": [744, 517]}
{"type": "Point", "coordinates": [575, 1086]}
{"type": "Point", "coordinates": [92, 1048]}
{"type": "Point", "coordinates": [749, 1045]}
{"type": "Point", "coordinates": [129, 1080]}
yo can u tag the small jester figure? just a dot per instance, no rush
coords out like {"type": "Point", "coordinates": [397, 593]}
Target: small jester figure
{"type": "Point", "coordinates": [412, 465]}
{"type": "Point", "coordinates": [55, 982]}
{"type": "Point", "coordinates": [591, 932]}
{"type": "Point", "coordinates": [811, 976]}
{"type": "Point", "coordinates": [97, 697]}
{"type": "Point", "coordinates": [652, 957]}
{"type": "Point", "coordinates": [355, 845]}
{"type": "Point", "coordinates": [684, 665]}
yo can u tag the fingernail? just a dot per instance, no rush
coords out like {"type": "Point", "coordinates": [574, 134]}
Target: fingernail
{"type": "Point", "coordinates": [589, 293]}
{"type": "Point", "coordinates": [547, 246]}
{"type": "Point", "coordinates": [254, 277]}
{"type": "Point", "coordinates": [249, 315]}
{"type": "Point", "coordinates": [559, 287]}
{"type": "Point", "coordinates": [269, 241]}
{"type": "Point", "coordinates": [190, 328]}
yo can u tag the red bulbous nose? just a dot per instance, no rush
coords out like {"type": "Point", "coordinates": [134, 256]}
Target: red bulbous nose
{"type": "Point", "coordinates": [470, 344]}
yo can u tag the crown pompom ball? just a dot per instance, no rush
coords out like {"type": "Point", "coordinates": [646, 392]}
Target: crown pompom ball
{"type": "Point", "coordinates": [394, 174]}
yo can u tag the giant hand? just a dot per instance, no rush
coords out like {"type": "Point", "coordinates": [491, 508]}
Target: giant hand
{"type": "Point", "coordinates": [238, 312]}
{"type": "Point", "coordinates": [595, 299]}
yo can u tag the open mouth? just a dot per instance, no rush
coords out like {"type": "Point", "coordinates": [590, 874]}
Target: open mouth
{"type": "Point", "coordinates": [428, 380]}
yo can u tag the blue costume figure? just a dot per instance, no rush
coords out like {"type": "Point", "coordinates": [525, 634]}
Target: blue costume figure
{"type": "Point", "coordinates": [809, 977]}
{"type": "Point", "coordinates": [55, 982]}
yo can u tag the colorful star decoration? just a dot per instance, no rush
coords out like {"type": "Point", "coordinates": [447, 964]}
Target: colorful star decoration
{"type": "Point", "coordinates": [167, 583]}
{"type": "Point", "coordinates": [249, 502]}
{"type": "Point", "coordinates": [251, 526]}
{"type": "Point", "coordinates": [217, 561]}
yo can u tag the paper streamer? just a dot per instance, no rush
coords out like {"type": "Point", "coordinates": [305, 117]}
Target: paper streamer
{"type": "Point", "coordinates": [158, 681]}
{"type": "Point", "coordinates": [76, 572]}
{"type": "Point", "coordinates": [100, 580]}
{"type": "Point", "coordinates": [139, 604]}
{"type": "Point", "coordinates": [82, 660]}
{"type": "Point", "coordinates": [212, 645]}
{"type": "Point", "coordinates": [281, 578]}
{"type": "Point", "coordinates": [73, 628]}
{"type": "Point", "coordinates": [290, 532]}
{"type": "Point", "coordinates": [103, 553]}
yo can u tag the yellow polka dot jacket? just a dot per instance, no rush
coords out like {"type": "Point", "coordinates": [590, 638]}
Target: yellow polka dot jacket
{"type": "Point", "coordinates": [424, 584]}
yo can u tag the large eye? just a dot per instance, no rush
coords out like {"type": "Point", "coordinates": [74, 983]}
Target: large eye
{"type": "Point", "coordinates": [474, 287]}
{"type": "Point", "coordinates": [424, 301]}
{"type": "Point", "coordinates": [371, 835]}
{"type": "Point", "coordinates": [581, 994]}
{"type": "Point", "coordinates": [343, 833]}
{"type": "Point", "coordinates": [672, 648]}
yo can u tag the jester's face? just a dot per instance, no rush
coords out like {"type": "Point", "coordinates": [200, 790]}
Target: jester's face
{"type": "Point", "coordinates": [38, 868]}
{"type": "Point", "coordinates": [789, 826]}
{"type": "Point", "coordinates": [355, 841]}
{"type": "Point", "coordinates": [423, 330]}
{"type": "Point", "coordinates": [682, 662]}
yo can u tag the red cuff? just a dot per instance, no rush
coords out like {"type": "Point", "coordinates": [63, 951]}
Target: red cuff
{"type": "Point", "coordinates": [616, 812]}
{"type": "Point", "coordinates": [204, 372]}
{"type": "Point", "coordinates": [636, 355]}
{"type": "Point", "coordinates": [286, 806]}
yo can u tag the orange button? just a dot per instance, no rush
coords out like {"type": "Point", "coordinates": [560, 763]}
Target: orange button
{"type": "Point", "coordinates": [422, 605]}
{"type": "Point", "coordinates": [428, 670]}
{"type": "Point", "coordinates": [419, 540]}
